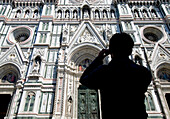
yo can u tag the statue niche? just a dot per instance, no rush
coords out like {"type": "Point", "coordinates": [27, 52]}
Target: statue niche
{"type": "Point", "coordinates": [18, 14]}
{"type": "Point", "coordinates": [27, 13]}
{"type": "Point", "coordinates": [86, 12]}
{"type": "Point", "coordinates": [36, 65]}
{"type": "Point", "coordinates": [35, 14]}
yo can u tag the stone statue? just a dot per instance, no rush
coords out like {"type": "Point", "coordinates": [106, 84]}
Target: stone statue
{"type": "Point", "coordinates": [27, 14]}
{"type": "Point", "coordinates": [75, 15]}
{"type": "Point", "coordinates": [86, 14]}
{"type": "Point", "coordinates": [67, 15]}
{"type": "Point", "coordinates": [145, 14]}
{"type": "Point", "coordinates": [35, 15]}
{"type": "Point", "coordinates": [104, 14]}
{"type": "Point", "coordinates": [69, 105]}
{"type": "Point", "coordinates": [36, 65]}
{"type": "Point", "coordinates": [18, 14]}
{"type": "Point", "coordinates": [153, 14]}
{"type": "Point", "coordinates": [59, 15]}
{"type": "Point", "coordinates": [112, 14]}
{"type": "Point", "coordinates": [97, 15]}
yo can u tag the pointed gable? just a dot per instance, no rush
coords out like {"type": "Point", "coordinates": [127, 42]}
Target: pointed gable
{"type": "Point", "coordinates": [160, 54]}
{"type": "Point", "coordinates": [86, 33]}
{"type": "Point", "coordinates": [13, 55]}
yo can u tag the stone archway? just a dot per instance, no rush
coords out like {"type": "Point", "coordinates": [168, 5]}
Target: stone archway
{"type": "Point", "coordinates": [81, 57]}
{"type": "Point", "coordinates": [9, 74]}
{"type": "Point", "coordinates": [163, 72]}
{"type": "Point", "coordinates": [83, 52]}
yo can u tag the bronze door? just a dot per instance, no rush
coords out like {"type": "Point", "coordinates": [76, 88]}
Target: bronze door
{"type": "Point", "coordinates": [88, 106]}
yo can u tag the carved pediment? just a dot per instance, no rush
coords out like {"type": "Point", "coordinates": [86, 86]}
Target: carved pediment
{"type": "Point", "coordinates": [87, 33]}
{"type": "Point", "coordinates": [14, 55]}
{"type": "Point", "coordinates": [87, 37]}
{"type": "Point", "coordinates": [159, 55]}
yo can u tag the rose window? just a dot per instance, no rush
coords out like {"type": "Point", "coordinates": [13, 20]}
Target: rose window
{"type": "Point", "coordinates": [20, 34]}
{"type": "Point", "coordinates": [153, 34]}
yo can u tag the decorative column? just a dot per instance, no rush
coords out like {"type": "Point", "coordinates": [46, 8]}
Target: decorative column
{"type": "Point", "coordinates": [58, 103]}
{"type": "Point", "coordinates": [15, 100]}
{"type": "Point", "coordinates": [162, 100]}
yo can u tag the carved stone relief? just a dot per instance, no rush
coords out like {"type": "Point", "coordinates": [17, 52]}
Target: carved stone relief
{"type": "Point", "coordinates": [87, 37]}
{"type": "Point", "coordinates": [39, 51]}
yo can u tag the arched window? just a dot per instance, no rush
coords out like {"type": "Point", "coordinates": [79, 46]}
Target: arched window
{"type": "Point", "coordinates": [29, 102]}
{"type": "Point", "coordinates": [149, 104]}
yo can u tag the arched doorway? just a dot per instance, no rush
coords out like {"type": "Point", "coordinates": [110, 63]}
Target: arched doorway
{"type": "Point", "coordinates": [88, 99]}
{"type": "Point", "coordinates": [9, 75]}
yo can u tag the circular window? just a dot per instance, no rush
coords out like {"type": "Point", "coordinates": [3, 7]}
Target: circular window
{"type": "Point", "coordinates": [21, 35]}
{"type": "Point", "coordinates": [152, 34]}
{"type": "Point", "coordinates": [151, 37]}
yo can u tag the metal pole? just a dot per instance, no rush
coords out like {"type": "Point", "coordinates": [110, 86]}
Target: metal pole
{"type": "Point", "coordinates": [153, 77]}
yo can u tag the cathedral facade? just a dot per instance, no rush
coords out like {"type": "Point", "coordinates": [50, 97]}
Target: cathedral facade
{"type": "Point", "coordinates": [45, 45]}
